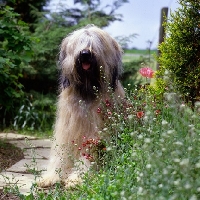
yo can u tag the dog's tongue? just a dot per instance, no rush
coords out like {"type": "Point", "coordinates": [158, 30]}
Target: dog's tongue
{"type": "Point", "coordinates": [85, 66]}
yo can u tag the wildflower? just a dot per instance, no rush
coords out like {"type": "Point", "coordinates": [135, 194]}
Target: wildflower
{"type": "Point", "coordinates": [130, 116]}
{"type": "Point", "coordinates": [108, 149]}
{"type": "Point", "coordinates": [107, 103]}
{"type": "Point", "coordinates": [157, 112]}
{"type": "Point", "coordinates": [184, 162]}
{"type": "Point", "coordinates": [109, 113]}
{"type": "Point", "coordinates": [197, 165]}
{"type": "Point", "coordinates": [146, 72]}
{"type": "Point", "coordinates": [140, 114]}
{"type": "Point", "coordinates": [147, 140]}
{"type": "Point", "coordinates": [98, 110]}
{"type": "Point", "coordinates": [187, 186]}
{"type": "Point", "coordinates": [197, 104]}
{"type": "Point", "coordinates": [148, 166]}
{"type": "Point", "coordinates": [164, 122]}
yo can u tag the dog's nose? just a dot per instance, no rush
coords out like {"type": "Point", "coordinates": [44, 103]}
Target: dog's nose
{"type": "Point", "coordinates": [85, 58]}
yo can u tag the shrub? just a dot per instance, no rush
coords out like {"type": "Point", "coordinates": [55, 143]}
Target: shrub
{"type": "Point", "coordinates": [36, 113]}
{"type": "Point", "coordinates": [15, 48]}
{"type": "Point", "coordinates": [180, 51]}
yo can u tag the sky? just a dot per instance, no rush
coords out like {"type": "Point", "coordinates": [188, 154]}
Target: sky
{"type": "Point", "coordinates": [141, 17]}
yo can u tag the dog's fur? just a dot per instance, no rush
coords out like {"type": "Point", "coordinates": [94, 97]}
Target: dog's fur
{"type": "Point", "coordinates": [90, 63]}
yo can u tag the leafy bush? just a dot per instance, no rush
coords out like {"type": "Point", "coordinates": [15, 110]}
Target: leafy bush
{"type": "Point", "coordinates": [180, 51]}
{"type": "Point", "coordinates": [152, 153]}
{"type": "Point", "coordinates": [36, 113]}
{"type": "Point", "coordinates": [15, 50]}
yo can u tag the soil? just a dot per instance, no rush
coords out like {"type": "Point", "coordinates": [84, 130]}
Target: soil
{"type": "Point", "coordinates": [9, 155]}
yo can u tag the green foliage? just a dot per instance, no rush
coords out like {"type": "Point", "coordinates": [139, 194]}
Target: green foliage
{"type": "Point", "coordinates": [125, 40]}
{"type": "Point", "coordinates": [25, 8]}
{"type": "Point", "coordinates": [15, 51]}
{"type": "Point", "coordinates": [51, 28]}
{"type": "Point", "coordinates": [129, 77]}
{"type": "Point", "coordinates": [37, 112]}
{"type": "Point", "coordinates": [149, 156]}
{"type": "Point", "coordinates": [180, 51]}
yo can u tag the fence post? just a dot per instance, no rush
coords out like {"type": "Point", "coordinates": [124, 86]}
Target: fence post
{"type": "Point", "coordinates": [163, 18]}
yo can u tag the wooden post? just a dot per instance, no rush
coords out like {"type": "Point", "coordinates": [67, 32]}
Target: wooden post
{"type": "Point", "coordinates": [163, 18]}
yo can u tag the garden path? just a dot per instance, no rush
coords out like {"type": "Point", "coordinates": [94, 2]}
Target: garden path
{"type": "Point", "coordinates": [24, 173]}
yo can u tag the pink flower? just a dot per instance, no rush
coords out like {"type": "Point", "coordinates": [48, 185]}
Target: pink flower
{"type": "Point", "coordinates": [146, 72]}
{"type": "Point", "coordinates": [98, 110]}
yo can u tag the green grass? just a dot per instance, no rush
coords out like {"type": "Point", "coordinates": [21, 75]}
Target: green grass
{"type": "Point", "coordinates": [154, 153]}
{"type": "Point", "coordinates": [140, 51]}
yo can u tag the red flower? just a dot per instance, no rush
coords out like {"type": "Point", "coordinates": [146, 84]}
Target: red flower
{"type": "Point", "coordinates": [107, 103]}
{"type": "Point", "coordinates": [146, 72]}
{"type": "Point", "coordinates": [140, 114]}
{"type": "Point", "coordinates": [98, 110]}
{"type": "Point", "coordinates": [157, 112]}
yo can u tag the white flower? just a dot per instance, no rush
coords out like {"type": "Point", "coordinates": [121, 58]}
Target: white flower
{"type": "Point", "coordinates": [130, 116]}
{"type": "Point", "coordinates": [177, 182]}
{"type": "Point", "coordinates": [164, 122]}
{"type": "Point", "coordinates": [184, 162]}
{"type": "Point", "coordinates": [178, 143]}
{"type": "Point", "coordinates": [108, 149]}
{"type": "Point", "coordinates": [197, 104]}
{"type": "Point", "coordinates": [193, 197]}
{"type": "Point", "coordinates": [148, 166]}
{"type": "Point", "coordinates": [147, 140]}
{"type": "Point", "coordinates": [140, 190]}
{"type": "Point", "coordinates": [177, 160]}
{"type": "Point", "coordinates": [197, 165]}
{"type": "Point", "coordinates": [187, 186]}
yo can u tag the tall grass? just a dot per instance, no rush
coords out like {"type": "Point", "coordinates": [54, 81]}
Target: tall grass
{"type": "Point", "coordinates": [153, 153]}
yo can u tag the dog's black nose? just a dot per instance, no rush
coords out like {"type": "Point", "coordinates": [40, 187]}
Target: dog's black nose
{"type": "Point", "coordinates": [85, 56]}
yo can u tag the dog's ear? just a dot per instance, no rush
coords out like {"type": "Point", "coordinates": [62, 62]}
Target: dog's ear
{"type": "Point", "coordinates": [114, 78]}
{"type": "Point", "coordinates": [64, 82]}
{"type": "Point", "coordinates": [61, 57]}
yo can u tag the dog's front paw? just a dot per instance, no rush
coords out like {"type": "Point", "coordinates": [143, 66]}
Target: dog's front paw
{"type": "Point", "coordinates": [47, 180]}
{"type": "Point", "coordinates": [73, 180]}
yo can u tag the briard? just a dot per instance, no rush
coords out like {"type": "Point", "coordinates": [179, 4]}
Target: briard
{"type": "Point", "coordinates": [90, 62]}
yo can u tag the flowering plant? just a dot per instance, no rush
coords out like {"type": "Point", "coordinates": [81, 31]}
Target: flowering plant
{"type": "Point", "coordinates": [147, 72]}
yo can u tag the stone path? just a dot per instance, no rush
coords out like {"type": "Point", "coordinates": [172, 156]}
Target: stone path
{"type": "Point", "coordinates": [36, 154]}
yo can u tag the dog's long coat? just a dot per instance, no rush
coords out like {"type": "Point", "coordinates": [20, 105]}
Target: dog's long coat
{"type": "Point", "coordinates": [90, 64]}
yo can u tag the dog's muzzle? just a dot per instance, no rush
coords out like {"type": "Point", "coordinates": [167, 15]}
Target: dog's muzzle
{"type": "Point", "coordinates": [85, 59]}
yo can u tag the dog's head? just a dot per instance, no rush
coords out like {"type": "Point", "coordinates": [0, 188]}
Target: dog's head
{"type": "Point", "coordinates": [90, 61]}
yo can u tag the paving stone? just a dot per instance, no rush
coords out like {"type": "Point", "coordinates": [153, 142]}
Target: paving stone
{"type": "Point", "coordinates": [41, 153]}
{"type": "Point", "coordinates": [36, 153]}
{"type": "Point", "coordinates": [14, 136]}
{"type": "Point", "coordinates": [26, 165]}
{"type": "Point", "coordinates": [27, 144]}
{"type": "Point", "coordinates": [23, 181]}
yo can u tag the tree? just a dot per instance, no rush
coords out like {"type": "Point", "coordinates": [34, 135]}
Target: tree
{"type": "Point", "coordinates": [15, 51]}
{"type": "Point", "coordinates": [41, 75]}
{"type": "Point", "coordinates": [180, 52]}
{"type": "Point", "coordinates": [26, 9]}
